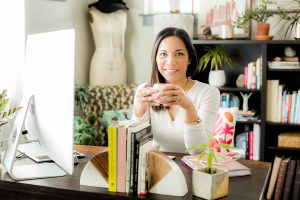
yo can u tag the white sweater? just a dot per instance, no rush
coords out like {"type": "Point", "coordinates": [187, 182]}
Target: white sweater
{"type": "Point", "coordinates": [177, 136]}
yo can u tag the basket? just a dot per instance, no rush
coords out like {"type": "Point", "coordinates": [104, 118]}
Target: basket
{"type": "Point", "coordinates": [290, 139]}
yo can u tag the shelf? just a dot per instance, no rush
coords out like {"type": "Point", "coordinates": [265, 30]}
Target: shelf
{"type": "Point", "coordinates": [246, 41]}
{"type": "Point", "coordinates": [282, 124]}
{"type": "Point", "coordinates": [283, 148]}
{"type": "Point", "coordinates": [284, 70]}
{"type": "Point", "coordinates": [249, 122]}
{"type": "Point", "coordinates": [236, 89]}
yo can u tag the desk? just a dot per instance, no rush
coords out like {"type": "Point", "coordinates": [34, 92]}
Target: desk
{"type": "Point", "coordinates": [68, 187]}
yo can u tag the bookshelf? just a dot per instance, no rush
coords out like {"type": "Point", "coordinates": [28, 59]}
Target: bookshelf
{"type": "Point", "coordinates": [243, 52]}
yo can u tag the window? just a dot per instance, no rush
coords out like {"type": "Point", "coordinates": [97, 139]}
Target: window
{"type": "Point", "coordinates": [163, 6]}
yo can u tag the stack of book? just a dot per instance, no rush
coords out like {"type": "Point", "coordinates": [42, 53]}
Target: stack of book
{"type": "Point", "coordinates": [285, 179]}
{"type": "Point", "coordinates": [247, 143]}
{"type": "Point", "coordinates": [128, 147]}
{"type": "Point", "coordinates": [282, 105]}
{"type": "Point", "coordinates": [283, 65]}
{"type": "Point", "coordinates": [253, 74]}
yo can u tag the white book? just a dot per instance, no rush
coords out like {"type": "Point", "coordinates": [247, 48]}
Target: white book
{"type": "Point", "coordinates": [132, 127]}
{"type": "Point", "coordinates": [143, 164]}
{"type": "Point", "coordinates": [297, 117]}
{"type": "Point", "coordinates": [258, 69]}
{"type": "Point", "coordinates": [279, 104]}
{"type": "Point", "coordinates": [256, 142]}
{"type": "Point", "coordinates": [272, 100]}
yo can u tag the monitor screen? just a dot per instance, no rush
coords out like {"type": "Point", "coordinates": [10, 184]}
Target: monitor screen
{"type": "Point", "coordinates": [47, 104]}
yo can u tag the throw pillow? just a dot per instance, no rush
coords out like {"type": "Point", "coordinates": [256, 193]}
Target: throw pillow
{"type": "Point", "coordinates": [113, 117]}
{"type": "Point", "coordinates": [225, 127]}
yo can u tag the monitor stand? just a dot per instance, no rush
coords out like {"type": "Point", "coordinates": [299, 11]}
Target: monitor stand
{"type": "Point", "coordinates": [31, 171]}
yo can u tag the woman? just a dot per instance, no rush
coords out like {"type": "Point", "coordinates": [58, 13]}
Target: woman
{"type": "Point", "coordinates": [183, 111]}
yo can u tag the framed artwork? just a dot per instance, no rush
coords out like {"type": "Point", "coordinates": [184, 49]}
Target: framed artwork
{"type": "Point", "coordinates": [215, 13]}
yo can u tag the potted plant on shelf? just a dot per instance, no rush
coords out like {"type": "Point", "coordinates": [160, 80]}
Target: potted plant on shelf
{"type": "Point", "coordinates": [210, 182]}
{"type": "Point", "coordinates": [217, 59]}
{"type": "Point", "coordinates": [260, 14]}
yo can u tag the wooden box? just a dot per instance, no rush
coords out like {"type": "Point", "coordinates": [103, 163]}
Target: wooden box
{"type": "Point", "coordinates": [289, 139]}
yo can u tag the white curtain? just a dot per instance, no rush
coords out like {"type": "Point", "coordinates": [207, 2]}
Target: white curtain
{"type": "Point", "coordinates": [12, 46]}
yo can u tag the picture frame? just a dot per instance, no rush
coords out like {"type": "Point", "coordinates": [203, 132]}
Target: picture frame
{"type": "Point", "coordinates": [215, 13]}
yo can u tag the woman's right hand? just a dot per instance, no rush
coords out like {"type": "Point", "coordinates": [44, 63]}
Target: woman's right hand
{"type": "Point", "coordinates": [145, 98]}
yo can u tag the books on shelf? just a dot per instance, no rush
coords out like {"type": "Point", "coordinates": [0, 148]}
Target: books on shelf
{"type": "Point", "coordinates": [280, 179]}
{"type": "Point", "coordinates": [233, 167]}
{"type": "Point", "coordinates": [289, 180]}
{"type": "Point", "coordinates": [253, 74]}
{"type": "Point", "coordinates": [273, 178]}
{"type": "Point", "coordinates": [282, 105]}
{"type": "Point", "coordinates": [283, 65]}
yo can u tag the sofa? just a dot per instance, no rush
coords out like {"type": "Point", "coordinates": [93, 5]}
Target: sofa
{"type": "Point", "coordinates": [104, 99]}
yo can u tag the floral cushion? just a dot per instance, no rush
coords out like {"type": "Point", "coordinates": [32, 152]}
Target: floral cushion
{"type": "Point", "coordinates": [225, 127]}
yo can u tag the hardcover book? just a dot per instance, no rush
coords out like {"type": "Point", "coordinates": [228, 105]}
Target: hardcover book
{"type": "Point", "coordinates": [289, 180]}
{"type": "Point", "coordinates": [281, 179]}
{"type": "Point", "coordinates": [274, 175]}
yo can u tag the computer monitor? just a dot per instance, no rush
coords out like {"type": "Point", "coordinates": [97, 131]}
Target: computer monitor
{"type": "Point", "coordinates": [47, 105]}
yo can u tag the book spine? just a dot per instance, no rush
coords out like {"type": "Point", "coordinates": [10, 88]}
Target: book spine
{"type": "Point", "coordinates": [250, 140]}
{"type": "Point", "coordinates": [287, 192]}
{"type": "Point", "coordinates": [112, 164]}
{"type": "Point", "coordinates": [121, 171]}
{"type": "Point", "coordinates": [296, 192]}
{"type": "Point", "coordinates": [246, 77]}
{"type": "Point", "coordinates": [273, 178]}
{"type": "Point", "coordinates": [134, 137]}
{"type": "Point", "coordinates": [280, 180]}
{"type": "Point", "coordinates": [256, 142]}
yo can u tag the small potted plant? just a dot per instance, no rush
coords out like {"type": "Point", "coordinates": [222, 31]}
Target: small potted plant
{"type": "Point", "coordinates": [6, 114]}
{"type": "Point", "coordinates": [210, 182]}
{"type": "Point", "coordinates": [217, 59]}
{"type": "Point", "coordinates": [260, 14]}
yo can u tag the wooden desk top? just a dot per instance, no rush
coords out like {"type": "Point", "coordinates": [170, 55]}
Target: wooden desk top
{"type": "Point", "coordinates": [68, 187]}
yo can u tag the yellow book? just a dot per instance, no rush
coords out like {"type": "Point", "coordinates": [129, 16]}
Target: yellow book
{"type": "Point", "coordinates": [112, 159]}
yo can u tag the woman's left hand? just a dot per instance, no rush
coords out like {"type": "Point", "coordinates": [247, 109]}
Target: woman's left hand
{"type": "Point", "coordinates": [172, 95]}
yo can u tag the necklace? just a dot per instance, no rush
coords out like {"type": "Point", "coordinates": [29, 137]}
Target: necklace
{"type": "Point", "coordinates": [187, 84]}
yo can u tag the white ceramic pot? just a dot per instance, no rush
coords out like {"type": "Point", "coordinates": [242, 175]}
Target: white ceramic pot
{"type": "Point", "coordinates": [209, 186]}
{"type": "Point", "coordinates": [217, 78]}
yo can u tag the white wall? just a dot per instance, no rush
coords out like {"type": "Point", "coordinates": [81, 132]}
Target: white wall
{"type": "Point", "coordinates": [46, 15]}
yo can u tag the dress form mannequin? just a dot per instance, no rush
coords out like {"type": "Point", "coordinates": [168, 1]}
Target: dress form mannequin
{"type": "Point", "coordinates": [108, 66]}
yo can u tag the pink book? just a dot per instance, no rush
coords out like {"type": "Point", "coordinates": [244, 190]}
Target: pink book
{"type": "Point", "coordinates": [121, 159]}
{"type": "Point", "coordinates": [246, 76]}
{"type": "Point", "coordinates": [250, 140]}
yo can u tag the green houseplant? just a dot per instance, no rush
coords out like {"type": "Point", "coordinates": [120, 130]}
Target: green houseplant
{"type": "Point", "coordinates": [260, 14]}
{"type": "Point", "coordinates": [210, 182]}
{"type": "Point", "coordinates": [217, 58]}
{"type": "Point", "coordinates": [6, 114]}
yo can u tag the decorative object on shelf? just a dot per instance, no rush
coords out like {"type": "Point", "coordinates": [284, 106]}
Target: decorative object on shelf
{"type": "Point", "coordinates": [183, 21]}
{"type": "Point", "coordinates": [260, 14]}
{"type": "Point", "coordinates": [228, 12]}
{"type": "Point", "coordinates": [240, 81]}
{"type": "Point", "coordinates": [226, 32]}
{"type": "Point", "coordinates": [174, 6]}
{"type": "Point", "coordinates": [210, 182]}
{"type": "Point", "coordinates": [217, 59]}
{"type": "Point", "coordinates": [245, 100]}
{"type": "Point", "coordinates": [289, 51]}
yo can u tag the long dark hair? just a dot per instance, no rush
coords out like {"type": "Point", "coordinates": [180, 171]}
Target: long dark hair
{"type": "Point", "coordinates": [156, 77]}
